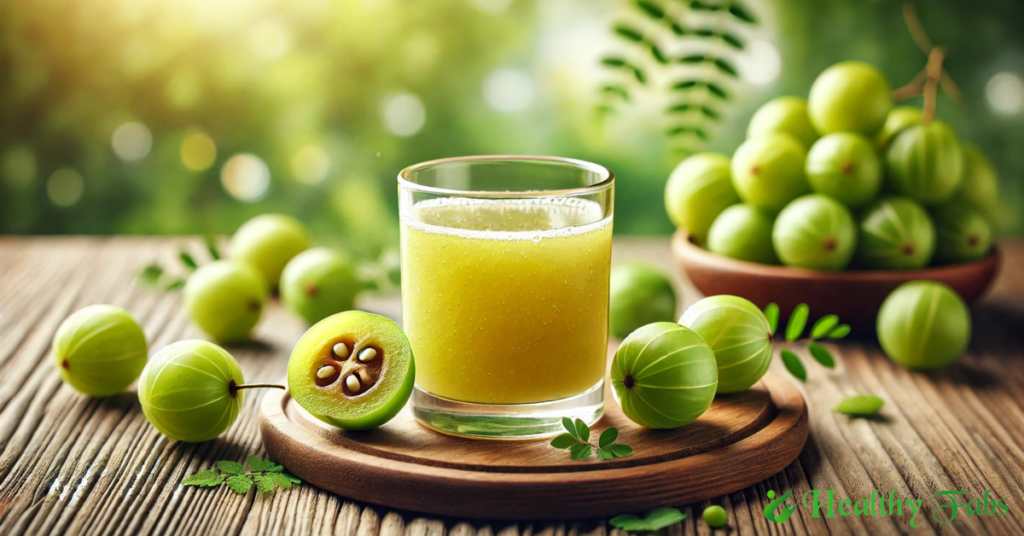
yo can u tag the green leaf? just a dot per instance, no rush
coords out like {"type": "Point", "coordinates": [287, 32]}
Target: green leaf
{"type": "Point", "coordinates": [259, 465]}
{"type": "Point", "coordinates": [793, 365]}
{"type": "Point", "coordinates": [564, 441]}
{"type": "Point", "coordinates": [211, 247]}
{"type": "Point", "coordinates": [580, 451]}
{"type": "Point", "coordinates": [613, 62]}
{"type": "Point", "coordinates": [607, 437]}
{"type": "Point", "coordinates": [771, 312]}
{"type": "Point", "coordinates": [841, 331]}
{"type": "Point", "coordinates": [293, 479]}
{"type": "Point", "coordinates": [266, 485]}
{"type": "Point", "coordinates": [717, 90]}
{"type": "Point", "coordinates": [150, 275]}
{"type": "Point", "coordinates": [653, 520]}
{"type": "Point", "coordinates": [733, 41]}
{"type": "Point", "coordinates": [652, 10]}
{"type": "Point", "coordinates": [616, 90]}
{"type": "Point", "coordinates": [797, 322]}
{"type": "Point", "coordinates": [658, 55]}
{"type": "Point", "coordinates": [177, 284]}
{"type": "Point", "coordinates": [204, 479]}
{"type": "Point", "coordinates": [824, 326]}
{"type": "Point", "coordinates": [629, 33]}
{"type": "Point", "coordinates": [621, 451]}
{"type": "Point", "coordinates": [604, 454]}
{"type": "Point", "coordinates": [568, 425]}
{"type": "Point", "coordinates": [239, 483]}
{"type": "Point", "coordinates": [822, 355]}
{"type": "Point", "coordinates": [582, 431]}
{"type": "Point", "coordinates": [693, 58]}
{"type": "Point", "coordinates": [660, 518]}
{"type": "Point", "coordinates": [860, 405]}
{"type": "Point", "coordinates": [281, 480]}
{"type": "Point", "coordinates": [278, 469]}
{"type": "Point", "coordinates": [231, 468]}
{"type": "Point", "coordinates": [741, 13]}
{"type": "Point", "coordinates": [187, 260]}
{"type": "Point", "coordinates": [726, 67]}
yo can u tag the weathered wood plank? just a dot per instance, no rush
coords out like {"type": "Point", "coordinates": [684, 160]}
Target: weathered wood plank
{"type": "Point", "coordinates": [73, 465]}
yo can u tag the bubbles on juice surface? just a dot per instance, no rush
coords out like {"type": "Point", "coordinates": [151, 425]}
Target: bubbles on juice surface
{"type": "Point", "coordinates": [507, 219]}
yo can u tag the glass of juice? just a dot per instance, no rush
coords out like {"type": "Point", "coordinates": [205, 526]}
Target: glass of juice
{"type": "Point", "coordinates": [505, 267]}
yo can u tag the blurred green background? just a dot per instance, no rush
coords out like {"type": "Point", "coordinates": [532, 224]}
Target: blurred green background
{"type": "Point", "coordinates": [191, 116]}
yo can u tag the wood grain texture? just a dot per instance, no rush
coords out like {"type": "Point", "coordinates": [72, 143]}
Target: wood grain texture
{"type": "Point", "coordinates": [74, 465]}
{"type": "Point", "coordinates": [739, 441]}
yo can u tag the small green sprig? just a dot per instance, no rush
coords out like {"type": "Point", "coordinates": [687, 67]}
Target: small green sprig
{"type": "Point", "coordinates": [265, 475]}
{"type": "Point", "coordinates": [653, 520]}
{"type": "Point", "coordinates": [154, 275]}
{"type": "Point", "coordinates": [860, 405]}
{"type": "Point", "coordinates": [577, 440]}
{"type": "Point", "coordinates": [826, 327]}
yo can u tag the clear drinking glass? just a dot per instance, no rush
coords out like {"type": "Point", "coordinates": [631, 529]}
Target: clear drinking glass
{"type": "Point", "coordinates": [505, 267]}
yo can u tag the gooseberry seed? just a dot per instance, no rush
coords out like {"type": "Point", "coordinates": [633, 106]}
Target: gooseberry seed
{"type": "Point", "coordinates": [741, 339]}
{"type": "Point", "coordinates": [100, 350]}
{"type": "Point", "coordinates": [664, 375]}
{"type": "Point", "coordinates": [924, 325]}
{"type": "Point", "coordinates": [896, 233]}
{"type": "Point", "coordinates": [225, 299]}
{"type": "Point", "coordinates": [371, 357]}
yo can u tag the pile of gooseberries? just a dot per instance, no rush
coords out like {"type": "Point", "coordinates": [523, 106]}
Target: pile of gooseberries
{"type": "Point", "coordinates": [841, 180]}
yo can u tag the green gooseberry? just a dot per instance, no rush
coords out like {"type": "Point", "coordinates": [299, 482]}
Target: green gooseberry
{"type": "Point", "coordinates": [715, 516]}
{"type": "Point", "coordinates": [898, 119]}
{"type": "Point", "coordinates": [191, 390]}
{"type": "Point", "coordinates": [318, 283]}
{"type": "Point", "coordinates": [739, 335]}
{"type": "Point", "coordinates": [664, 376]}
{"type": "Point", "coordinates": [785, 115]}
{"type": "Point", "coordinates": [896, 233]}
{"type": "Point", "coordinates": [768, 171]}
{"type": "Point", "coordinates": [924, 325]}
{"type": "Point", "coordinates": [267, 242]}
{"type": "Point", "coordinates": [743, 232]}
{"type": "Point", "coordinates": [815, 231]}
{"type": "Point", "coordinates": [844, 166]}
{"type": "Point", "coordinates": [225, 299]}
{"type": "Point", "coordinates": [640, 293]}
{"type": "Point", "coordinates": [698, 190]}
{"type": "Point", "coordinates": [925, 162]}
{"type": "Point", "coordinates": [353, 370]}
{"type": "Point", "coordinates": [850, 96]}
{"type": "Point", "coordinates": [100, 350]}
{"type": "Point", "coordinates": [962, 233]}
{"type": "Point", "coordinates": [980, 184]}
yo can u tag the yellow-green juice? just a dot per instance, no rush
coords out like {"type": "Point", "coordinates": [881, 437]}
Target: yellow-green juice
{"type": "Point", "coordinates": [506, 301]}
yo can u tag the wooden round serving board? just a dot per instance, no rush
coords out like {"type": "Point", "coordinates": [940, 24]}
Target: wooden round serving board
{"type": "Point", "coordinates": [741, 440]}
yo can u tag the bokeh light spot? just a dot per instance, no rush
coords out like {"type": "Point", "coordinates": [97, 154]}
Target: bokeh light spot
{"type": "Point", "coordinates": [18, 166]}
{"type": "Point", "coordinates": [131, 141]}
{"type": "Point", "coordinates": [508, 90]}
{"type": "Point", "coordinates": [762, 63]}
{"type": "Point", "coordinates": [1005, 93]}
{"type": "Point", "coordinates": [245, 177]}
{"type": "Point", "coordinates": [310, 164]}
{"type": "Point", "coordinates": [269, 39]}
{"type": "Point", "coordinates": [404, 114]}
{"type": "Point", "coordinates": [65, 187]}
{"type": "Point", "coordinates": [198, 151]}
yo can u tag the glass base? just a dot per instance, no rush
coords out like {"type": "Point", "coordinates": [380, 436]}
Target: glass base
{"type": "Point", "coordinates": [506, 421]}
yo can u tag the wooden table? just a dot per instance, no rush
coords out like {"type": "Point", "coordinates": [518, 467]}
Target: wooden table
{"type": "Point", "coordinates": [72, 464]}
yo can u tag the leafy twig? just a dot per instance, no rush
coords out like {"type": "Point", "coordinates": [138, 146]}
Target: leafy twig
{"type": "Point", "coordinates": [826, 327]}
{"type": "Point", "coordinates": [577, 440]}
{"type": "Point", "coordinates": [265, 475]}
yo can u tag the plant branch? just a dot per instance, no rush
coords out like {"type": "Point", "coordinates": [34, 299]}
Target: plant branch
{"type": "Point", "coordinates": [931, 84]}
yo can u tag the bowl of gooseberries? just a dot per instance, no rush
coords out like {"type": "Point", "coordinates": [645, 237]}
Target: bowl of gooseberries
{"type": "Point", "coordinates": [836, 200]}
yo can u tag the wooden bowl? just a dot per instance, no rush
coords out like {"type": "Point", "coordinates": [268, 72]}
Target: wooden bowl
{"type": "Point", "coordinates": [853, 295]}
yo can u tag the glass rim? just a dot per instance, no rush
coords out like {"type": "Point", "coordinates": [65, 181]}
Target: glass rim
{"type": "Point", "coordinates": [604, 184]}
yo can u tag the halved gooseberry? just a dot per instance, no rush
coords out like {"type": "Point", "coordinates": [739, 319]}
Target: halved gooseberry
{"type": "Point", "coordinates": [353, 370]}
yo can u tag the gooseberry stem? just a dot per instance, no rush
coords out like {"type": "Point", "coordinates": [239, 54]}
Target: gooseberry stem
{"type": "Point", "coordinates": [931, 84]}
{"type": "Point", "coordinates": [255, 386]}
